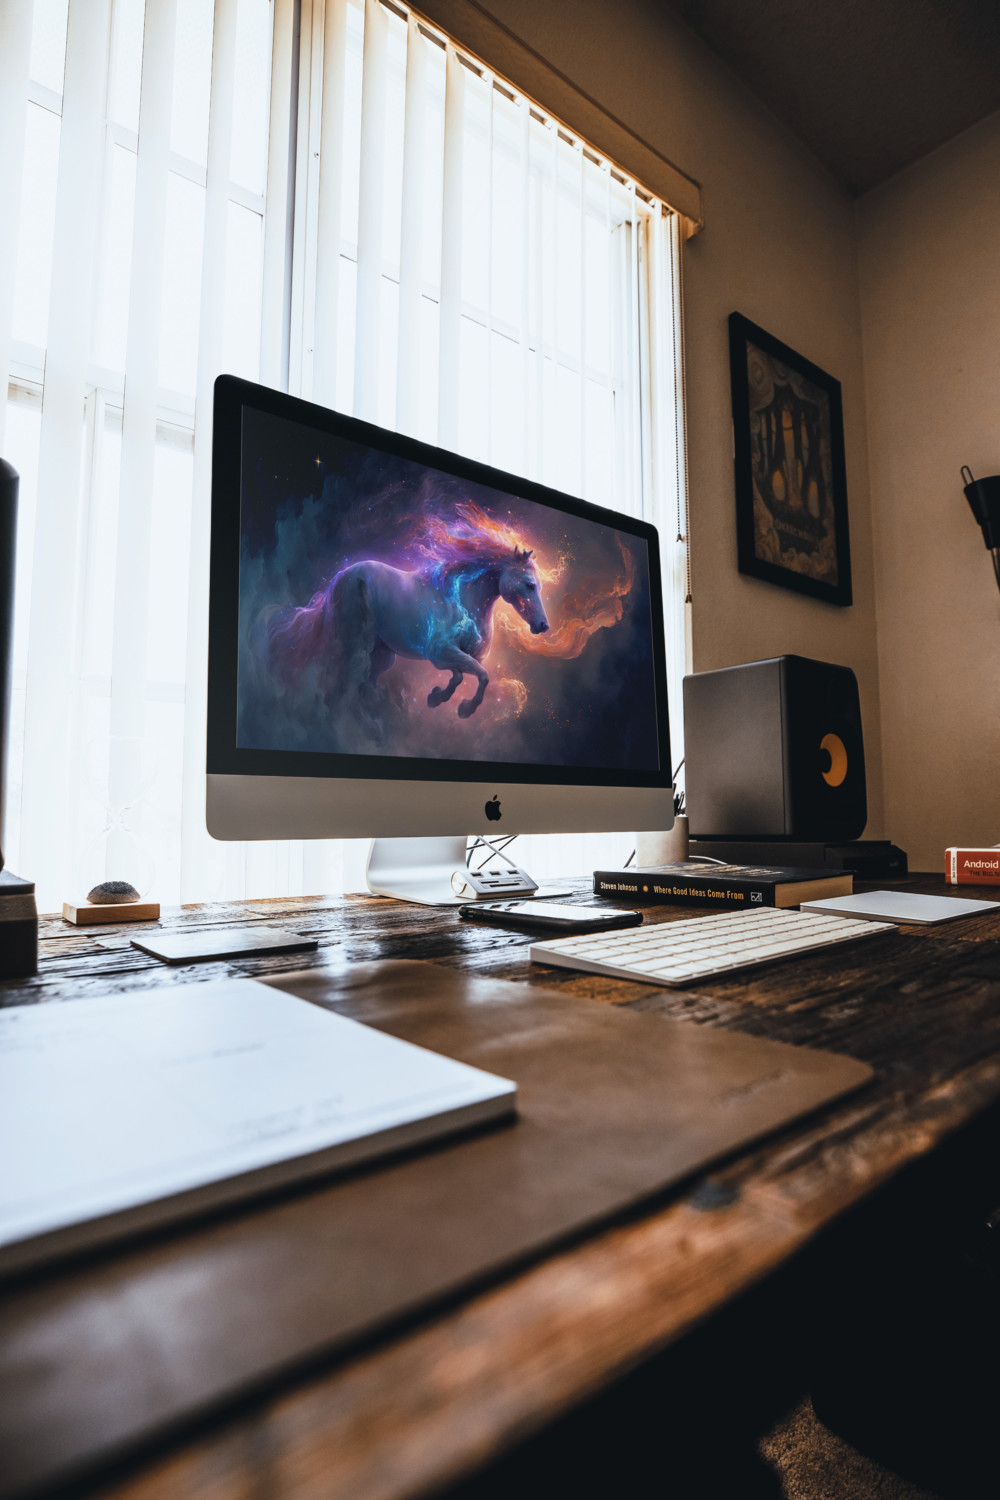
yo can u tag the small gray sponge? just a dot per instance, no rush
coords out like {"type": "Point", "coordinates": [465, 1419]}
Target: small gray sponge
{"type": "Point", "coordinates": [110, 892]}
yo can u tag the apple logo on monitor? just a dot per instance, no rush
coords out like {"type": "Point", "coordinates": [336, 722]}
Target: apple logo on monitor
{"type": "Point", "coordinates": [492, 809]}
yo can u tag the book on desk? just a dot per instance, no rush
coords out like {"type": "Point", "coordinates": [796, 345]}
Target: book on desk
{"type": "Point", "coordinates": [733, 885]}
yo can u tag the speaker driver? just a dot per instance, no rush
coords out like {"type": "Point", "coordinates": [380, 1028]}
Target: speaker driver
{"type": "Point", "coordinates": [833, 762]}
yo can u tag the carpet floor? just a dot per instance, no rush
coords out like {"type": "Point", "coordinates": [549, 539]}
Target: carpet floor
{"type": "Point", "coordinates": [812, 1463]}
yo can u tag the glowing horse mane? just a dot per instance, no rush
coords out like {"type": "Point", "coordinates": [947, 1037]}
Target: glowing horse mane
{"type": "Point", "coordinates": [467, 537]}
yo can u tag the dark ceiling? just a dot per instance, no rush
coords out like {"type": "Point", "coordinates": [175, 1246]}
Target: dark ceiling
{"type": "Point", "coordinates": [868, 85]}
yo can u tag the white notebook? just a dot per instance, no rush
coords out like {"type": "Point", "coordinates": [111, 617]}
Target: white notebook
{"type": "Point", "coordinates": [901, 906]}
{"type": "Point", "coordinates": [124, 1111]}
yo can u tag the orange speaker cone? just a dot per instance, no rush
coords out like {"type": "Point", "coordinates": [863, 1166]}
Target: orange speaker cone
{"type": "Point", "coordinates": [837, 770]}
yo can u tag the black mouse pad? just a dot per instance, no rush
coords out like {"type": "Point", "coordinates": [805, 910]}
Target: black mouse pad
{"type": "Point", "coordinates": [220, 942]}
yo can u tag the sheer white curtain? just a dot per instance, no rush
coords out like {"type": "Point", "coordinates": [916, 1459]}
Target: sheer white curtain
{"type": "Point", "coordinates": [328, 196]}
{"type": "Point", "coordinates": [139, 257]}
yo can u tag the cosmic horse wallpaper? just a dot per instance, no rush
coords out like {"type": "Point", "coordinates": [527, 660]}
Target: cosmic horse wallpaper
{"type": "Point", "coordinates": [387, 608]}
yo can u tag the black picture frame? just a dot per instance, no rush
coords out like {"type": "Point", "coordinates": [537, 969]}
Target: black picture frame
{"type": "Point", "coordinates": [791, 507]}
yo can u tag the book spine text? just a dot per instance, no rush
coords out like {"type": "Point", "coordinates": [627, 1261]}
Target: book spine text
{"type": "Point", "coordinates": [650, 889]}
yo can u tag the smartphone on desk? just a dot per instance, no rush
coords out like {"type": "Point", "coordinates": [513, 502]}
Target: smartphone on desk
{"type": "Point", "coordinates": [550, 916]}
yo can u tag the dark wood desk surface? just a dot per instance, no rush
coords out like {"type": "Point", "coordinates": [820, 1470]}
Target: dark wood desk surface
{"type": "Point", "coordinates": [417, 1410]}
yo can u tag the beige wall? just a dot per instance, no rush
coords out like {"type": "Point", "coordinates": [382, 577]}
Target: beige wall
{"type": "Point", "coordinates": [779, 246]}
{"type": "Point", "coordinates": [929, 249]}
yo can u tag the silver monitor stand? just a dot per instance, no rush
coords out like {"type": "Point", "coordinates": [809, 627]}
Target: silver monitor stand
{"type": "Point", "coordinates": [437, 872]}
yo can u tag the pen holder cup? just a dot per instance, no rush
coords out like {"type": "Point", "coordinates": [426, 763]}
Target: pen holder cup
{"type": "Point", "coordinates": [663, 848]}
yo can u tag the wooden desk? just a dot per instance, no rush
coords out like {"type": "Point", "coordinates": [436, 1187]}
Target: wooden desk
{"type": "Point", "coordinates": [417, 1410]}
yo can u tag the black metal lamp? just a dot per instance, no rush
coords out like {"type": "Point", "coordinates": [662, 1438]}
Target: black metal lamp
{"type": "Point", "coordinates": [983, 496]}
{"type": "Point", "coordinates": [18, 914]}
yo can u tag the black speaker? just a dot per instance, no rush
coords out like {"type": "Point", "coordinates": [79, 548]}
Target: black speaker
{"type": "Point", "coordinates": [774, 750]}
{"type": "Point", "coordinates": [18, 915]}
{"type": "Point", "coordinates": [8, 540]}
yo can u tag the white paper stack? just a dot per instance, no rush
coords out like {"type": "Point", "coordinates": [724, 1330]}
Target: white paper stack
{"type": "Point", "coordinates": [127, 1110]}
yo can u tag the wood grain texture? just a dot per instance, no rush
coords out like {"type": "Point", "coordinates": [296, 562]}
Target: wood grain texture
{"type": "Point", "coordinates": [412, 1412]}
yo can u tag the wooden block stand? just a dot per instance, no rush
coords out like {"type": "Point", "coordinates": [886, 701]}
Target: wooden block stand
{"type": "Point", "coordinates": [87, 912]}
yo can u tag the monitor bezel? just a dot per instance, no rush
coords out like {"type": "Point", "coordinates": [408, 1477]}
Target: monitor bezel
{"type": "Point", "coordinates": [226, 757]}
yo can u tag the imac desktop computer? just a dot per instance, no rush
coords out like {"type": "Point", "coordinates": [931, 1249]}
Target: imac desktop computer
{"type": "Point", "coordinates": [409, 646]}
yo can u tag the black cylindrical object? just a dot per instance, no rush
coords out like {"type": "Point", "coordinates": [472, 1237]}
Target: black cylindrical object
{"type": "Point", "coordinates": [983, 496]}
{"type": "Point", "coordinates": [8, 535]}
{"type": "Point", "coordinates": [18, 914]}
{"type": "Point", "coordinates": [18, 927]}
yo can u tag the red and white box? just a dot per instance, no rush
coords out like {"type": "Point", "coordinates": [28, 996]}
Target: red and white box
{"type": "Point", "coordinates": [972, 866]}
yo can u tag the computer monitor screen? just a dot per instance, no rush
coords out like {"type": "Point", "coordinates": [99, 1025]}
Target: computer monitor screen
{"type": "Point", "coordinates": [403, 641]}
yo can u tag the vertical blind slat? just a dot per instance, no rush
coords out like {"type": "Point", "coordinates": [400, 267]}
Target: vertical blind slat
{"type": "Point", "coordinates": [142, 354]}
{"type": "Point", "coordinates": [276, 284]}
{"type": "Point", "coordinates": [673, 474]}
{"type": "Point", "coordinates": [319, 863]}
{"type": "Point", "coordinates": [634, 434]}
{"type": "Point", "coordinates": [450, 305]}
{"type": "Point", "coordinates": [367, 341]}
{"type": "Point", "coordinates": [610, 352]}
{"type": "Point", "coordinates": [307, 180]}
{"type": "Point", "coordinates": [550, 449]}
{"type": "Point", "coordinates": [583, 325]}
{"type": "Point", "coordinates": [490, 190]}
{"type": "Point", "coordinates": [328, 231]}
{"type": "Point", "coordinates": [680, 413]}
{"type": "Point", "coordinates": [411, 232]}
{"type": "Point", "coordinates": [664, 455]}
{"type": "Point", "coordinates": [538, 329]}
{"type": "Point", "coordinates": [195, 844]}
{"type": "Point", "coordinates": [524, 163]}
{"type": "Point", "coordinates": [54, 636]}
{"type": "Point", "coordinates": [647, 419]}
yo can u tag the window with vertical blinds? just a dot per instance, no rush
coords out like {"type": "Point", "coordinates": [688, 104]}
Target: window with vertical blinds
{"type": "Point", "coordinates": [329, 197]}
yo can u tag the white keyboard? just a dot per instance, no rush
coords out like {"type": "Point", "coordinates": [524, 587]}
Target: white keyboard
{"type": "Point", "coordinates": [679, 953]}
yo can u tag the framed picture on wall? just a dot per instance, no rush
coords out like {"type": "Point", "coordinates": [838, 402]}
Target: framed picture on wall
{"type": "Point", "coordinates": [791, 487]}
